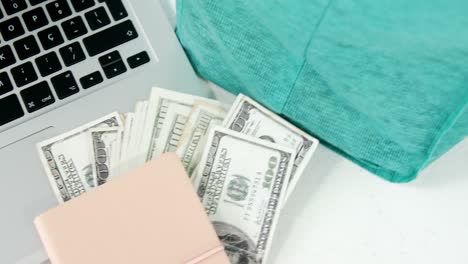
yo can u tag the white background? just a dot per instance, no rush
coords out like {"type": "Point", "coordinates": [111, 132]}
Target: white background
{"type": "Point", "coordinates": [340, 213]}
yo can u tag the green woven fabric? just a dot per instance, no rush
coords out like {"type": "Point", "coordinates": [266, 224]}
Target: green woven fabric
{"type": "Point", "coordinates": [384, 83]}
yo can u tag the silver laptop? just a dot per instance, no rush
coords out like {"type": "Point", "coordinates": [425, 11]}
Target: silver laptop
{"type": "Point", "coordinates": [64, 63]}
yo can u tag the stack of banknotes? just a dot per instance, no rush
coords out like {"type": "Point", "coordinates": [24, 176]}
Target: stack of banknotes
{"type": "Point", "coordinates": [244, 161]}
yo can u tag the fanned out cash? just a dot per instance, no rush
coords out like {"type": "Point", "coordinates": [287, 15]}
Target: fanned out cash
{"type": "Point", "coordinates": [244, 162]}
{"type": "Point", "coordinates": [242, 182]}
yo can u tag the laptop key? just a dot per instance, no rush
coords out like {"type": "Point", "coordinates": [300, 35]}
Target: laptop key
{"type": "Point", "coordinates": [14, 6]}
{"type": "Point", "coordinates": [138, 59]}
{"type": "Point", "coordinates": [65, 85]}
{"type": "Point", "coordinates": [48, 64]}
{"type": "Point", "coordinates": [109, 58]}
{"type": "Point", "coordinates": [97, 18]}
{"type": "Point", "coordinates": [6, 57]}
{"type": "Point", "coordinates": [72, 54]}
{"type": "Point", "coordinates": [58, 9]}
{"type": "Point", "coordinates": [36, 2]}
{"type": "Point", "coordinates": [24, 74]}
{"type": "Point", "coordinates": [26, 47]}
{"type": "Point", "coordinates": [110, 38]}
{"type": "Point", "coordinates": [116, 8]}
{"type": "Point", "coordinates": [91, 79]}
{"type": "Point", "coordinates": [37, 96]}
{"type": "Point", "coordinates": [114, 69]}
{"type": "Point", "coordinates": [5, 83]}
{"type": "Point", "coordinates": [10, 107]}
{"type": "Point", "coordinates": [50, 37]}
{"type": "Point", "coordinates": [35, 19]}
{"type": "Point", "coordinates": [81, 5]}
{"type": "Point", "coordinates": [11, 28]}
{"type": "Point", "coordinates": [74, 28]}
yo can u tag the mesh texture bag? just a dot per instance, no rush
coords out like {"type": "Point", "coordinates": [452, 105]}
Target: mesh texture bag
{"type": "Point", "coordinates": [384, 83]}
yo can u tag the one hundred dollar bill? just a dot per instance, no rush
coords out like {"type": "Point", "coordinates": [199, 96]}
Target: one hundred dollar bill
{"type": "Point", "coordinates": [136, 133]}
{"type": "Point", "coordinates": [66, 159]}
{"type": "Point", "coordinates": [171, 130]}
{"type": "Point", "coordinates": [160, 100]}
{"type": "Point", "coordinates": [249, 117]}
{"type": "Point", "coordinates": [102, 144]}
{"type": "Point", "coordinates": [193, 139]}
{"type": "Point", "coordinates": [242, 183]}
{"type": "Point", "coordinates": [124, 145]}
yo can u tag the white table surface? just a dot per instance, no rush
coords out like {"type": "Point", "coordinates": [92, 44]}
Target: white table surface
{"type": "Point", "coordinates": [340, 213]}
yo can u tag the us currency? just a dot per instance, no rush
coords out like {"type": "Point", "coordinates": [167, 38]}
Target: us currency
{"type": "Point", "coordinates": [102, 144]}
{"type": "Point", "coordinates": [136, 133]}
{"type": "Point", "coordinates": [242, 183]}
{"type": "Point", "coordinates": [161, 99]}
{"type": "Point", "coordinates": [251, 118]}
{"type": "Point", "coordinates": [193, 139]}
{"type": "Point", "coordinates": [66, 159]}
{"type": "Point", "coordinates": [116, 153]}
{"type": "Point", "coordinates": [123, 163]}
{"type": "Point", "coordinates": [172, 129]}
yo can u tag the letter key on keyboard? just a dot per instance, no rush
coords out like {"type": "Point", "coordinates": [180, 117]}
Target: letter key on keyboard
{"type": "Point", "coordinates": [35, 19]}
{"type": "Point", "coordinates": [26, 47]}
{"type": "Point", "coordinates": [6, 57]}
{"type": "Point", "coordinates": [11, 28]}
{"type": "Point", "coordinates": [50, 37]}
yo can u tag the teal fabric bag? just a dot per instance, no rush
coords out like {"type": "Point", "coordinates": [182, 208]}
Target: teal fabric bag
{"type": "Point", "coordinates": [384, 83]}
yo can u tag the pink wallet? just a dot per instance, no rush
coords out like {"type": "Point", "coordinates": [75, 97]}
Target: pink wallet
{"type": "Point", "coordinates": [151, 215]}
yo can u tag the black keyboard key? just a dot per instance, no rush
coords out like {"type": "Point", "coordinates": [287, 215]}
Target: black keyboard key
{"type": "Point", "coordinates": [37, 96]}
{"type": "Point", "coordinates": [58, 9]}
{"type": "Point", "coordinates": [11, 28]}
{"type": "Point", "coordinates": [1, 14]}
{"type": "Point", "coordinates": [97, 18]}
{"type": "Point", "coordinates": [81, 5]}
{"type": "Point", "coordinates": [26, 47]}
{"type": "Point", "coordinates": [35, 19]}
{"type": "Point", "coordinates": [50, 37]}
{"type": "Point", "coordinates": [72, 54]}
{"type": "Point", "coordinates": [5, 83]}
{"type": "Point", "coordinates": [6, 57]}
{"type": "Point", "coordinates": [114, 69]}
{"type": "Point", "coordinates": [91, 80]}
{"type": "Point", "coordinates": [109, 58]}
{"type": "Point", "coordinates": [116, 8]}
{"type": "Point", "coordinates": [110, 38]}
{"type": "Point", "coordinates": [138, 59]}
{"type": "Point", "coordinates": [14, 6]}
{"type": "Point", "coordinates": [24, 74]}
{"type": "Point", "coordinates": [36, 2]}
{"type": "Point", "coordinates": [48, 64]}
{"type": "Point", "coordinates": [10, 107]}
{"type": "Point", "coordinates": [65, 85]}
{"type": "Point", "coordinates": [74, 28]}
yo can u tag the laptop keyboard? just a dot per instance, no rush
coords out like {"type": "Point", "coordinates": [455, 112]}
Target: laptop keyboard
{"type": "Point", "coordinates": [44, 40]}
